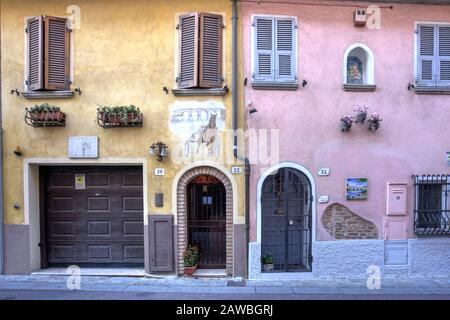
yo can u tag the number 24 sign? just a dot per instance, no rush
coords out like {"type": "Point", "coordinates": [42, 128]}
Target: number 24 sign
{"type": "Point", "coordinates": [324, 171]}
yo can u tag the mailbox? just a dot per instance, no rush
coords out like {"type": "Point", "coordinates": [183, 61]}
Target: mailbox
{"type": "Point", "coordinates": [396, 199]}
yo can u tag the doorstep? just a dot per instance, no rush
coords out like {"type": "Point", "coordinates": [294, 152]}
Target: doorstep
{"type": "Point", "coordinates": [210, 273]}
{"type": "Point", "coordinates": [107, 272]}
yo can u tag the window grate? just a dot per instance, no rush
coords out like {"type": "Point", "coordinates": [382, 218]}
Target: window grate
{"type": "Point", "coordinates": [431, 205]}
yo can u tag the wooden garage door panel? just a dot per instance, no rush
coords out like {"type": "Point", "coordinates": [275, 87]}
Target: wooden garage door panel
{"type": "Point", "coordinates": [101, 224]}
{"type": "Point", "coordinates": [97, 180]}
{"type": "Point", "coordinates": [132, 179]}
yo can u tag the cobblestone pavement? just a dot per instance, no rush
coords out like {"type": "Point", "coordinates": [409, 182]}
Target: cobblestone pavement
{"type": "Point", "coordinates": [28, 287]}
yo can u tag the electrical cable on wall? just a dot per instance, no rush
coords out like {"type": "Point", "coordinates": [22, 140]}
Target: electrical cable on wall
{"type": "Point", "coordinates": [308, 3]}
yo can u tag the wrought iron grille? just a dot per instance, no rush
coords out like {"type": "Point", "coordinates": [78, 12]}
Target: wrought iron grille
{"type": "Point", "coordinates": [286, 205]}
{"type": "Point", "coordinates": [431, 205]}
{"type": "Point", "coordinates": [207, 222]}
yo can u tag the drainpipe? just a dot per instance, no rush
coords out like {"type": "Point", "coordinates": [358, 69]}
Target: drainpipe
{"type": "Point", "coordinates": [1, 195]}
{"type": "Point", "coordinates": [1, 169]}
{"type": "Point", "coordinates": [234, 92]}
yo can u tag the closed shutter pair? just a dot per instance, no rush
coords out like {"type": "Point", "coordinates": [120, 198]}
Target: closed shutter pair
{"type": "Point", "coordinates": [200, 58]}
{"type": "Point", "coordinates": [433, 65]}
{"type": "Point", "coordinates": [274, 50]}
{"type": "Point", "coordinates": [48, 54]}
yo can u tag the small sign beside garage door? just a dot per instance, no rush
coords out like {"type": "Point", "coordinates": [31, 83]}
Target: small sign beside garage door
{"type": "Point", "coordinates": [80, 182]}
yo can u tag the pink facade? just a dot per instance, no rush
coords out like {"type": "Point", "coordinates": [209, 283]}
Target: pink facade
{"type": "Point", "coordinates": [414, 135]}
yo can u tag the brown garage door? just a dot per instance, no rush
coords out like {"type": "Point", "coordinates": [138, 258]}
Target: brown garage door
{"type": "Point", "coordinates": [94, 216]}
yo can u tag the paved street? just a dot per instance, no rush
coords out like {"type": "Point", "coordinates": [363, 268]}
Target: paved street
{"type": "Point", "coordinates": [38, 287]}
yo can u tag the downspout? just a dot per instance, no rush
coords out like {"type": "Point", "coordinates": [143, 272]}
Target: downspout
{"type": "Point", "coordinates": [1, 165]}
{"type": "Point", "coordinates": [234, 93]}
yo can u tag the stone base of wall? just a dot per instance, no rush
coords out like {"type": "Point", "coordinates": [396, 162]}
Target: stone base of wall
{"type": "Point", "coordinates": [346, 258]}
{"type": "Point", "coordinates": [429, 257]}
{"type": "Point", "coordinates": [353, 258]}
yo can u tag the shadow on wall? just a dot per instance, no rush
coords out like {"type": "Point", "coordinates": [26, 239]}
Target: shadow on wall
{"type": "Point", "coordinates": [342, 223]}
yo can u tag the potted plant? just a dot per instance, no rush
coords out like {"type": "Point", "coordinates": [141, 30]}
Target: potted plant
{"type": "Point", "coordinates": [44, 115]}
{"type": "Point", "coordinates": [119, 116]}
{"type": "Point", "coordinates": [346, 123]}
{"type": "Point", "coordinates": [361, 114]}
{"type": "Point", "coordinates": [190, 259]}
{"type": "Point", "coordinates": [267, 261]}
{"type": "Point", "coordinates": [374, 121]}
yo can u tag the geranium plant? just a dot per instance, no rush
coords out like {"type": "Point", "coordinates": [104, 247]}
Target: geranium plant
{"type": "Point", "coordinates": [374, 121]}
{"type": "Point", "coordinates": [43, 115]}
{"type": "Point", "coordinates": [361, 114]}
{"type": "Point", "coordinates": [119, 116]}
{"type": "Point", "coordinates": [346, 122]}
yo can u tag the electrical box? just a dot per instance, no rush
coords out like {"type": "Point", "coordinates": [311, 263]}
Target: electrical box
{"type": "Point", "coordinates": [395, 228]}
{"type": "Point", "coordinates": [396, 199]}
{"type": "Point", "coordinates": [360, 18]}
{"type": "Point", "coordinates": [159, 200]}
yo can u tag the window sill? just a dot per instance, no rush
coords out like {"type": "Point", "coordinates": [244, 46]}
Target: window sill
{"type": "Point", "coordinates": [200, 92]}
{"type": "Point", "coordinates": [359, 87]}
{"type": "Point", "coordinates": [432, 90]}
{"type": "Point", "coordinates": [274, 86]}
{"type": "Point", "coordinates": [48, 94]}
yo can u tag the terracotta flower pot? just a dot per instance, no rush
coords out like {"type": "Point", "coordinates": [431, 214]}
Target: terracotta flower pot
{"type": "Point", "coordinates": [189, 271]}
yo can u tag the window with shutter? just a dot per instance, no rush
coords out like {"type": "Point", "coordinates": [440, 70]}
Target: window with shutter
{"type": "Point", "coordinates": [274, 50]}
{"type": "Point", "coordinates": [35, 53]}
{"type": "Point", "coordinates": [188, 51]}
{"type": "Point", "coordinates": [433, 56]}
{"type": "Point", "coordinates": [200, 51]}
{"type": "Point", "coordinates": [210, 51]}
{"type": "Point", "coordinates": [48, 54]}
{"type": "Point", "coordinates": [444, 55]}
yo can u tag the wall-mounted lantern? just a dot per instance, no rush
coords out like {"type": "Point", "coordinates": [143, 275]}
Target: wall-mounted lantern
{"type": "Point", "coordinates": [159, 149]}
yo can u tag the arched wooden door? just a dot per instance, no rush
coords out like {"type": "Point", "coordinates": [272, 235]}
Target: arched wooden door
{"type": "Point", "coordinates": [286, 203]}
{"type": "Point", "coordinates": [207, 220]}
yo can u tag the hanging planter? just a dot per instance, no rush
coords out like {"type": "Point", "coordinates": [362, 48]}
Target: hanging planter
{"type": "Point", "coordinates": [374, 121]}
{"type": "Point", "coordinates": [346, 123]}
{"type": "Point", "coordinates": [45, 115]}
{"type": "Point", "coordinates": [361, 114]}
{"type": "Point", "coordinates": [119, 116]}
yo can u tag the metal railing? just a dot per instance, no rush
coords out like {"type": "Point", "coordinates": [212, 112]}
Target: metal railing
{"type": "Point", "coordinates": [431, 205]}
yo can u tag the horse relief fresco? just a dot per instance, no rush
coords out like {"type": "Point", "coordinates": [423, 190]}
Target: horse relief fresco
{"type": "Point", "coordinates": [197, 125]}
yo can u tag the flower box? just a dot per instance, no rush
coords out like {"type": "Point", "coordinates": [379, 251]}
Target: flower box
{"type": "Point", "coordinates": [44, 116]}
{"type": "Point", "coordinates": [122, 116]}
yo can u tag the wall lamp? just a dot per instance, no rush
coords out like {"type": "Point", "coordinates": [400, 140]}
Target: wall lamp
{"type": "Point", "coordinates": [159, 149]}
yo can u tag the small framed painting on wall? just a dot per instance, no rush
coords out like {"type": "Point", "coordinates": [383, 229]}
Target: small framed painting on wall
{"type": "Point", "coordinates": [357, 188]}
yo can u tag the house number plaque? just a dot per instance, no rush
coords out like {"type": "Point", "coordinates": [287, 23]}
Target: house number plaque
{"type": "Point", "coordinates": [324, 172]}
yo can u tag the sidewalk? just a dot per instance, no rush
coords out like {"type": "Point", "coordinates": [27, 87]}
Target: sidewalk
{"type": "Point", "coordinates": [429, 286]}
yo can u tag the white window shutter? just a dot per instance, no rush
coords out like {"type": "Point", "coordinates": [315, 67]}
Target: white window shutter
{"type": "Point", "coordinates": [444, 55]}
{"type": "Point", "coordinates": [426, 62]}
{"type": "Point", "coordinates": [264, 50]}
{"type": "Point", "coordinates": [285, 50]}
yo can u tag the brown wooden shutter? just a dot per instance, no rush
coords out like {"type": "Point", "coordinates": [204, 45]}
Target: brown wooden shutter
{"type": "Point", "coordinates": [188, 67]}
{"type": "Point", "coordinates": [35, 33]}
{"type": "Point", "coordinates": [210, 74]}
{"type": "Point", "coordinates": [57, 53]}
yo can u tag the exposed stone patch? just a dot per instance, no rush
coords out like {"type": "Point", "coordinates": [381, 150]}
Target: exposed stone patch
{"type": "Point", "coordinates": [342, 223]}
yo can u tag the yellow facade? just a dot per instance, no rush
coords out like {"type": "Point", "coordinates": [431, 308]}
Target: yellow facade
{"type": "Point", "coordinates": [123, 52]}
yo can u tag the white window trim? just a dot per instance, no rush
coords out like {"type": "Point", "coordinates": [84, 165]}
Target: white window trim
{"type": "Point", "coordinates": [253, 45]}
{"type": "Point", "coordinates": [25, 50]}
{"type": "Point", "coordinates": [177, 52]}
{"type": "Point", "coordinates": [369, 68]}
{"type": "Point", "coordinates": [416, 48]}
